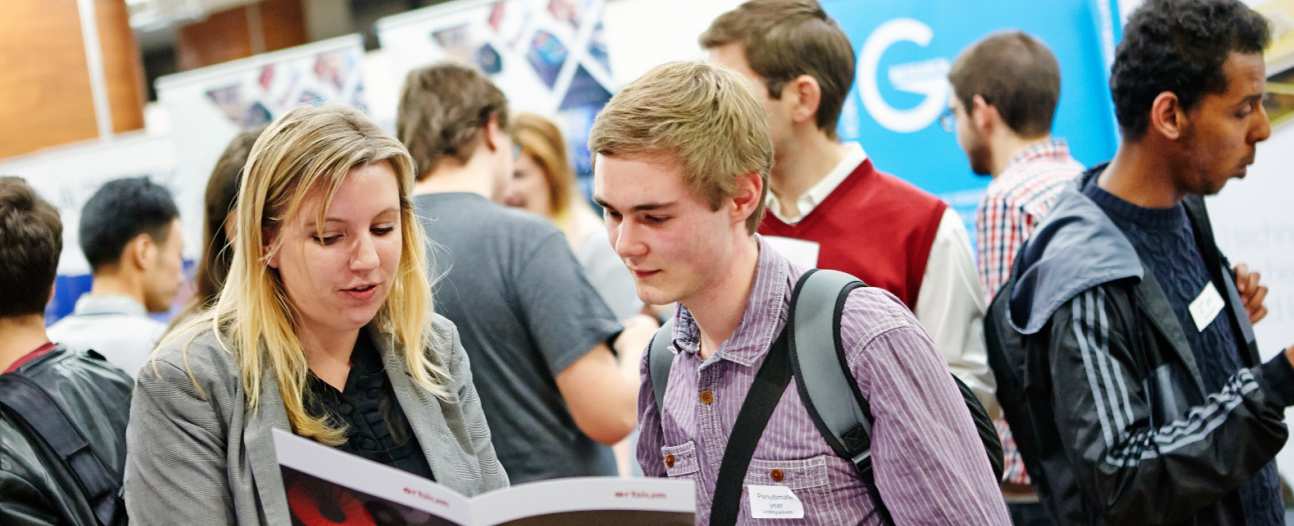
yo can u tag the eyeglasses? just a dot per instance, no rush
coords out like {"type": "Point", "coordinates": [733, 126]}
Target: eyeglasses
{"type": "Point", "coordinates": [948, 120]}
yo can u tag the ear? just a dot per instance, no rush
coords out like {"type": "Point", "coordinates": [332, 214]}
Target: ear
{"type": "Point", "coordinates": [492, 133]}
{"type": "Point", "coordinates": [806, 96]}
{"type": "Point", "coordinates": [746, 199]}
{"type": "Point", "coordinates": [1167, 117]}
{"type": "Point", "coordinates": [141, 251]}
{"type": "Point", "coordinates": [984, 116]}
{"type": "Point", "coordinates": [270, 237]}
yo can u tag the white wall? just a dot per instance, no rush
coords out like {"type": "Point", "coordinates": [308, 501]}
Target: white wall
{"type": "Point", "coordinates": [645, 33]}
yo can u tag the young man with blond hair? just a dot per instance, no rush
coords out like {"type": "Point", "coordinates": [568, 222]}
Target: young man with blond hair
{"type": "Point", "coordinates": [682, 163]}
{"type": "Point", "coordinates": [839, 211]}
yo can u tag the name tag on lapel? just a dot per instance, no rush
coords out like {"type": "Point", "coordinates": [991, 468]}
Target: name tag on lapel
{"type": "Point", "coordinates": [1206, 306]}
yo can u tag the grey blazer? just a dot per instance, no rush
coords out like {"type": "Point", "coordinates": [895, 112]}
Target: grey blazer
{"type": "Point", "coordinates": [200, 457]}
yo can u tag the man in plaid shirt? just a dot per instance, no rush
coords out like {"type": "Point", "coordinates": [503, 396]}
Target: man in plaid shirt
{"type": "Point", "coordinates": [1004, 125]}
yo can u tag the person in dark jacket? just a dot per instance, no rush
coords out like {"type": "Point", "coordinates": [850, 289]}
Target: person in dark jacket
{"type": "Point", "coordinates": [37, 486]}
{"type": "Point", "coordinates": [1127, 364]}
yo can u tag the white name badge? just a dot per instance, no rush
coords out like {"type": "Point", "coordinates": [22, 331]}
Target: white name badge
{"type": "Point", "coordinates": [802, 253]}
{"type": "Point", "coordinates": [774, 502]}
{"type": "Point", "coordinates": [1206, 306]}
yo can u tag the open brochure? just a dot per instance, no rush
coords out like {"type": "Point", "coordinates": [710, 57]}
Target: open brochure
{"type": "Point", "coordinates": [326, 487]}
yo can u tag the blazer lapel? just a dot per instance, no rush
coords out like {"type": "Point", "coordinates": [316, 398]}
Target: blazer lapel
{"type": "Point", "coordinates": [427, 419]}
{"type": "Point", "coordinates": [259, 444]}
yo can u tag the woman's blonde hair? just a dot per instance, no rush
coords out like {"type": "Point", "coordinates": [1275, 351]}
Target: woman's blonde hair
{"type": "Point", "coordinates": [540, 139]}
{"type": "Point", "coordinates": [303, 152]}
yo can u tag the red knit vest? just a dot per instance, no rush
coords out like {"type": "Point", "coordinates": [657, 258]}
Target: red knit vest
{"type": "Point", "coordinates": [874, 226]}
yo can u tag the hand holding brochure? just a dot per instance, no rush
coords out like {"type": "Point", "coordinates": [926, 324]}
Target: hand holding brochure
{"type": "Point", "coordinates": [327, 486]}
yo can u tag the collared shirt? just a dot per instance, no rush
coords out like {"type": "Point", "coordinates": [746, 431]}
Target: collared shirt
{"type": "Point", "coordinates": [854, 156]}
{"type": "Point", "coordinates": [927, 457]}
{"type": "Point", "coordinates": [950, 303]}
{"type": "Point", "coordinates": [1014, 204]}
{"type": "Point", "coordinates": [117, 327]}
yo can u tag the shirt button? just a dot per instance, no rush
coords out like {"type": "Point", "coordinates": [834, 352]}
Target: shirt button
{"type": "Point", "coordinates": [776, 475]}
{"type": "Point", "coordinates": [707, 397]}
{"type": "Point", "coordinates": [669, 460]}
{"type": "Point", "coordinates": [344, 408]}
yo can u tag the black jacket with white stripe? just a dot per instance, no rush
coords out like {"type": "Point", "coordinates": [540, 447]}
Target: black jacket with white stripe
{"type": "Point", "coordinates": [1101, 388]}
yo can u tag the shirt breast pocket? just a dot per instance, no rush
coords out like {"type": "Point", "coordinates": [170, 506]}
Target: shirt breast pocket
{"type": "Point", "coordinates": [680, 461]}
{"type": "Point", "coordinates": [804, 477]}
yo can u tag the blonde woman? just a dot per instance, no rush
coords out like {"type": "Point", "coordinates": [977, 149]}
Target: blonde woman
{"type": "Point", "coordinates": [324, 327]}
{"type": "Point", "coordinates": [543, 183]}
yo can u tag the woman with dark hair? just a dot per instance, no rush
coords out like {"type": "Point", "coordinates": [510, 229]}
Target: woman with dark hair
{"type": "Point", "coordinates": [217, 224]}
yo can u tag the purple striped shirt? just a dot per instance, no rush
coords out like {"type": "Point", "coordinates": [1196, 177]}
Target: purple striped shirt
{"type": "Point", "coordinates": [929, 463]}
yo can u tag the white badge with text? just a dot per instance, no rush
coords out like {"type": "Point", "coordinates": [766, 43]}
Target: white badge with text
{"type": "Point", "coordinates": [1206, 306]}
{"type": "Point", "coordinates": [774, 502]}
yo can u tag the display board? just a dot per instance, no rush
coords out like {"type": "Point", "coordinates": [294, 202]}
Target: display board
{"type": "Point", "coordinates": [549, 56]}
{"type": "Point", "coordinates": [905, 50]}
{"type": "Point", "coordinates": [209, 106]}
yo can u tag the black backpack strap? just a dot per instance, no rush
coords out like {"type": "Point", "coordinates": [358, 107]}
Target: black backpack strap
{"type": "Point", "coordinates": [41, 413]}
{"type": "Point", "coordinates": [844, 421]}
{"type": "Point", "coordinates": [659, 360]}
{"type": "Point", "coordinates": [1222, 273]}
{"type": "Point", "coordinates": [770, 382]}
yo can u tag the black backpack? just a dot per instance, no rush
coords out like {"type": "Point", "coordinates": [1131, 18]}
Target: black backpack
{"type": "Point", "coordinates": [827, 388]}
{"type": "Point", "coordinates": [38, 409]}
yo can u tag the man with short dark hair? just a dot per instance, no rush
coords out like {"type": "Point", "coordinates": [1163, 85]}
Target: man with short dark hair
{"type": "Point", "coordinates": [37, 486]}
{"type": "Point", "coordinates": [801, 66]}
{"type": "Point", "coordinates": [1122, 343]}
{"type": "Point", "coordinates": [130, 234]}
{"type": "Point", "coordinates": [1003, 123]}
{"type": "Point", "coordinates": [539, 336]}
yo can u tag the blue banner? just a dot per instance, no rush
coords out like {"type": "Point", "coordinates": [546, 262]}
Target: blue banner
{"type": "Point", "coordinates": [905, 49]}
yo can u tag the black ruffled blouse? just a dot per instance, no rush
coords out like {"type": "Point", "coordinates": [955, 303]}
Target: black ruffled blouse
{"type": "Point", "coordinates": [376, 427]}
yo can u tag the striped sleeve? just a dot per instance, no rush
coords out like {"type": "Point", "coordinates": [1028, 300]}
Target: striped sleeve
{"type": "Point", "coordinates": [1133, 463]}
{"type": "Point", "coordinates": [929, 463]}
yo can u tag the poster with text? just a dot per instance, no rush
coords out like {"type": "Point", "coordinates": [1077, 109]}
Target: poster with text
{"type": "Point", "coordinates": [209, 106]}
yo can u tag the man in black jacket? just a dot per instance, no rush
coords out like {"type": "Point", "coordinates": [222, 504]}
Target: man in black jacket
{"type": "Point", "coordinates": [84, 399]}
{"type": "Point", "coordinates": [1126, 360]}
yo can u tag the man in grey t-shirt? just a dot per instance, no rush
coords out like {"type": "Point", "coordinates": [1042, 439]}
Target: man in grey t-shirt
{"type": "Point", "coordinates": [538, 335]}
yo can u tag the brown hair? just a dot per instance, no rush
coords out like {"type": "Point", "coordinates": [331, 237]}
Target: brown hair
{"type": "Point", "coordinates": [783, 39]}
{"type": "Point", "coordinates": [31, 240]}
{"type": "Point", "coordinates": [540, 139]}
{"type": "Point", "coordinates": [443, 108]}
{"type": "Point", "coordinates": [220, 197]}
{"type": "Point", "coordinates": [1027, 97]}
{"type": "Point", "coordinates": [699, 115]}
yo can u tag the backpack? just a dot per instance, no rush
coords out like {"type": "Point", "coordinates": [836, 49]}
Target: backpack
{"type": "Point", "coordinates": [826, 386]}
{"type": "Point", "coordinates": [39, 410]}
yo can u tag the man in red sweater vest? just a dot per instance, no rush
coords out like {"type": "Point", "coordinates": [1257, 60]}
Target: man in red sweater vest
{"type": "Point", "coordinates": [828, 206]}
